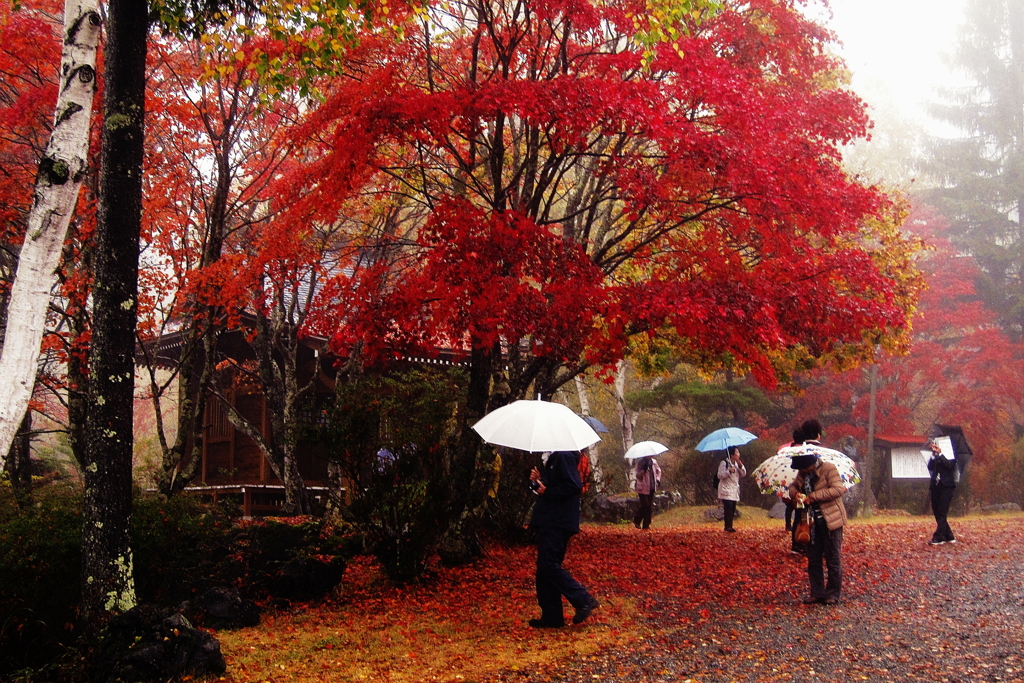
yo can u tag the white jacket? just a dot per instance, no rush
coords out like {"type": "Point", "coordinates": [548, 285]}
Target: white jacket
{"type": "Point", "coordinates": [729, 480]}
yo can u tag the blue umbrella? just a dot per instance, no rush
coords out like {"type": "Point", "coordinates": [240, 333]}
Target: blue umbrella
{"type": "Point", "coordinates": [595, 424]}
{"type": "Point", "coordinates": [720, 439]}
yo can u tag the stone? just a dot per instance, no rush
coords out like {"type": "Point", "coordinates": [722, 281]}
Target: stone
{"type": "Point", "coordinates": [221, 607]}
{"type": "Point", "coordinates": [619, 508]}
{"type": "Point", "coordinates": [307, 578]}
{"type": "Point", "coordinates": [148, 643]}
{"type": "Point", "coordinates": [1001, 507]}
{"type": "Point", "coordinates": [717, 514]}
{"type": "Point", "coordinates": [778, 510]}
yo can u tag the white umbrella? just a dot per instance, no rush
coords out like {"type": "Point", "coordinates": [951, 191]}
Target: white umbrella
{"type": "Point", "coordinates": [536, 426]}
{"type": "Point", "coordinates": [643, 449]}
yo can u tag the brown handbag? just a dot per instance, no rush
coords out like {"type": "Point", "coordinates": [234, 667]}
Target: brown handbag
{"type": "Point", "coordinates": [803, 529]}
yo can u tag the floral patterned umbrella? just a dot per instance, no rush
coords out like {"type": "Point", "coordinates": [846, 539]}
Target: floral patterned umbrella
{"type": "Point", "coordinates": [775, 474]}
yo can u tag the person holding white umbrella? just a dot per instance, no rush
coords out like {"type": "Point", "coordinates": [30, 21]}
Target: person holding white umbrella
{"type": "Point", "coordinates": [537, 426]}
{"type": "Point", "coordinates": [729, 473]}
{"type": "Point", "coordinates": [556, 519]}
{"type": "Point", "coordinates": [648, 476]}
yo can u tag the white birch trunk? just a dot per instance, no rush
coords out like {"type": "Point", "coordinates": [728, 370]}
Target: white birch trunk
{"type": "Point", "coordinates": [596, 475]}
{"type": "Point", "coordinates": [626, 419]}
{"type": "Point", "coordinates": [58, 182]}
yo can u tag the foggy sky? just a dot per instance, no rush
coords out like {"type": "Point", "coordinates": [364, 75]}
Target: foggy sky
{"type": "Point", "coordinates": [894, 47]}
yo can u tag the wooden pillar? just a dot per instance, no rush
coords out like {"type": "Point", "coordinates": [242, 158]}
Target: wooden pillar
{"type": "Point", "coordinates": [233, 432]}
{"type": "Point", "coordinates": [206, 443]}
{"type": "Point", "coordinates": [264, 474]}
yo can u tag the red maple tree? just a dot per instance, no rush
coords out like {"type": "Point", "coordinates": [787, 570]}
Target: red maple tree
{"type": "Point", "coordinates": [956, 371]}
{"type": "Point", "coordinates": [551, 193]}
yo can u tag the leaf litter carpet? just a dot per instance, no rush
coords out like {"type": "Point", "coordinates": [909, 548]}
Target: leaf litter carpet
{"type": "Point", "coordinates": [727, 607]}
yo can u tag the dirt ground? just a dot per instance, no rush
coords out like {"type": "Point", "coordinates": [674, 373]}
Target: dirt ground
{"type": "Point", "coordinates": [909, 611]}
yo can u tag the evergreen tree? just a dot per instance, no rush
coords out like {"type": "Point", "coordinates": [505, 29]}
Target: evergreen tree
{"type": "Point", "coordinates": [980, 175]}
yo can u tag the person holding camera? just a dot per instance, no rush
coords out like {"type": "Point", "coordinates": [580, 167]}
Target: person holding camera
{"type": "Point", "coordinates": [556, 519]}
{"type": "Point", "coordinates": [729, 473]}
{"type": "Point", "coordinates": [940, 489]}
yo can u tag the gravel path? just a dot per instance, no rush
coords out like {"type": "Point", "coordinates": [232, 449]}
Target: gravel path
{"type": "Point", "coordinates": [910, 612]}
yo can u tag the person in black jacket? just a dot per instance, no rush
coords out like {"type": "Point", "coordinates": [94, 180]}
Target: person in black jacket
{"type": "Point", "coordinates": [941, 488]}
{"type": "Point", "coordinates": [556, 518]}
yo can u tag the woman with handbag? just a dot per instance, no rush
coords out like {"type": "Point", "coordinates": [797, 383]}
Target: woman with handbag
{"type": "Point", "coordinates": [819, 488]}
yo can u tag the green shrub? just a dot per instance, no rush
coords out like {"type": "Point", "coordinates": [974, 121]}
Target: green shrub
{"type": "Point", "coordinates": [299, 558]}
{"type": "Point", "coordinates": [396, 439]}
{"type": "Point", "coordinates": [180, 547]}
{"type": "Point", "coordinates": [508, 509]}
{"type": "Point", "coordinates": [40, 560]}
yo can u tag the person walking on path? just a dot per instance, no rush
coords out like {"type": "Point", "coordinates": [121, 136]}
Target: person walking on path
{"type": "Point", "coordinates": [556, 519]}
{"type": "Point", "coordinates": [729, 473]}
{"type": "Point", "coordinates": [819, 488]}
{"type": "Point", "coordinates": [941, 488]}
{"type": "Point", "coordinates": [648, 476]}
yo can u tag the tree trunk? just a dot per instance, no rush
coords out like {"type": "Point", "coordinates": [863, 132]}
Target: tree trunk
{"type": "Point", "coordinates": [181, 458]}
{"type": "Point", "coordinates": [596, 475]}
{"type": "Point", "coordinates": [464, 470]}
{"type": "Point", "coordinates": [276, 347]}
{"type": "Point", "coordinates": [626, 418]}
{"type": "Point", "coordinates": [19, 464]}
{"type": "Point", "coordinates": [296, 498]}
{"type": "Point", "coordinates": [108, 584]}
{"type": "Point", "coordinates": [460, 538]}
{"type": "Point", "coordinates": [277, 350]}
{"type": "Point", "coordinates": [78, 391]}
{"type": "Point", "coordinates": [58, 181]}
{"type": "Point", "coordinates": [868, 461]}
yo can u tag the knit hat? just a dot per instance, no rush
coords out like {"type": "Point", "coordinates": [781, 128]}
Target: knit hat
{"type": "Point", "coordinates": [803, 461]}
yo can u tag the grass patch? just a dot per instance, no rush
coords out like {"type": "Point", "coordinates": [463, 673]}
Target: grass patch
{"type": "Point", "coordinates": [684, 515]}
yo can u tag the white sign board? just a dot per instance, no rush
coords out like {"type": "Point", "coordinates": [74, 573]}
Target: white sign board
{"type": "Point", "coordinates": [907, 463]}
{"type": "Point", "coordinates": [945, 444]}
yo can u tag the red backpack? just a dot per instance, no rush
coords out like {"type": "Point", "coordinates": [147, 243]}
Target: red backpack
{"type": "Point", "coordinates": [584, 468]}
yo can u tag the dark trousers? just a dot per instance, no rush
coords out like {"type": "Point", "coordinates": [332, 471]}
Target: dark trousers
{"type": "Point", "coordinates": [790, 523]}
{"type": "Point", "coordinates": [642, 518]}
{"type": "Point", "coordinates": [730, 512]}
{"type": "Point", "coordinates": [941, 497]}
{"type": "Point", "coordinates": [552, 580]}
{"type": "Point", "coordinates": [825, 550]}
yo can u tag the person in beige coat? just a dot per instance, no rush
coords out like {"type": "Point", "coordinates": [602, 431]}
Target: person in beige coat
{"type": "Point", "coordinates": [819, 488]}
{"type": "Point", "coordinates": [729, 473]}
